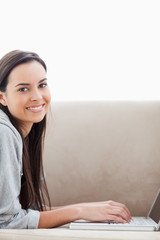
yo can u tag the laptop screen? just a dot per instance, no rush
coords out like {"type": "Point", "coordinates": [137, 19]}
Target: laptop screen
{"type": "Point", "coordinates": [155, 211]}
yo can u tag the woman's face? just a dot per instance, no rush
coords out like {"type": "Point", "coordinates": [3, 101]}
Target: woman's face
{"type": "Point", "coordinates": [27, 94]}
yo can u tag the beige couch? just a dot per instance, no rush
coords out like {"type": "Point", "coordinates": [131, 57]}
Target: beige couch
{"type": "Point", "coordinates": [96, 151]}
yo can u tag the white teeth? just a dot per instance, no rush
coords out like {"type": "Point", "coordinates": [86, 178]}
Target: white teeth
{"type": "Point", "coordinates": [34, 108]}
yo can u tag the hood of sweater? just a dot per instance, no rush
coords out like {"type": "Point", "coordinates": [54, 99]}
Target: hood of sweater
{"type": "Point", "coordinates": [4, 119]}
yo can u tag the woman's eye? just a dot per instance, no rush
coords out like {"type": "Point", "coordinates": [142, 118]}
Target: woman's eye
{"type": "Point", "coordinates": [42, 85]}
{"type": "Point", "coordinates": [24, 89]}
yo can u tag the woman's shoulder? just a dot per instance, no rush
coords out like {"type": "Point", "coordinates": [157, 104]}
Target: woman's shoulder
{"type": "Point", "coordinates": [7, 129]}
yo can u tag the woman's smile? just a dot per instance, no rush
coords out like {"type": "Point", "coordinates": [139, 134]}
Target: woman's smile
{"type": "Point", "coordinates": [36, 108]}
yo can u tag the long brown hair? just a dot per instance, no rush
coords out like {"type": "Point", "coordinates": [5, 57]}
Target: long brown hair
{"type": "Point", "coordinates": [33, 185]}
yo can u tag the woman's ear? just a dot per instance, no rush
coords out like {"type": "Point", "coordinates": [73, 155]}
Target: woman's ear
{"type": "Point", "coordinates": [2, 99]}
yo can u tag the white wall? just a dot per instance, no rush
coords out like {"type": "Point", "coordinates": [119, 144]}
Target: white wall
{"type": "Point", "coordinates": [94, 49]}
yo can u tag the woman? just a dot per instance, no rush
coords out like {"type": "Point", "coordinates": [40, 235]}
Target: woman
{"type": "Point", "coordinates": [24, 101]}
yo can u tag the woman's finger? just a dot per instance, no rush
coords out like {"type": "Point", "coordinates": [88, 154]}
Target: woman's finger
{"type": "Point", "coordinates": [116, 211]}
{"type": "Point", "coordinates": [123, 208]}
{"type": "Point", "coordinates": [115, 219]}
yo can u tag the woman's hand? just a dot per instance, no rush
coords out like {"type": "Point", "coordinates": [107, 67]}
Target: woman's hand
{"type": "Point", "coordinates": [103, 211]}
{"type": "Point", "coordinates": [95, 211]}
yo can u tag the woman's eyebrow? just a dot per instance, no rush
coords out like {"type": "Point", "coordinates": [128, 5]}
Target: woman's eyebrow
{"type": "Point", "coordinates": [27, 84]}
{"type": "Point", "coordinates": [44, 79]}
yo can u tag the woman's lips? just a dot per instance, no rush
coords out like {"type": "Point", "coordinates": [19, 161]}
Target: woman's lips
{"type": "Point", "coordinates": [36, 108]}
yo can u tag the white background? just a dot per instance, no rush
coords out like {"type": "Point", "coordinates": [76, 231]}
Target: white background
{"type": "Point", "coordinates": [94, 49]}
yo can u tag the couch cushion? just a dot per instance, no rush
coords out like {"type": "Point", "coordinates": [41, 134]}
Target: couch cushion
{"type": "Point", "coordinates": [96, 151]}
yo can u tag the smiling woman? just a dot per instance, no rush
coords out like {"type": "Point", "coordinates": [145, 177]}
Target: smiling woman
{"type": "Point", "coordinates": [27, 85]}
{"type": "Point", "coordinates": [24, 101]}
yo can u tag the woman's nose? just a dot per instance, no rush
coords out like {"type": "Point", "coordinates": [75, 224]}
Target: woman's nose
{"type": "Point", "coordinates": [36, 95]}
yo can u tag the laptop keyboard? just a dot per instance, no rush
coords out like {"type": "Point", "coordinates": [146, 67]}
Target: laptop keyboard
{"type": "Point", "coordinates": [136, 221]}
{"type": "Point", "coordinates": [141, 221]}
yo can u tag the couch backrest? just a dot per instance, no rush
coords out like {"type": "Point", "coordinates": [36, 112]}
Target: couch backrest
{"type": "Point", "coordinates": [96, 151]}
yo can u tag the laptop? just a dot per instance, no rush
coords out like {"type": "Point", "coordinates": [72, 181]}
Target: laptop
{"type": "Point", "coordinates": [149, 223]}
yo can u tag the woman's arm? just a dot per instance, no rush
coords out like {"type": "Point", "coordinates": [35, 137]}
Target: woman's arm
{"type": "Point", "coordinates": [46, 208]}
{"type": "Point", "coordinates": [98, 211]}
{"type": "Point", "coordinates": [11, 213]}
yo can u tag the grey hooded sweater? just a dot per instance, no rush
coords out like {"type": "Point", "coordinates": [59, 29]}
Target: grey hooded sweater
{"type": "Point", "coordinates": [11, 213]}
